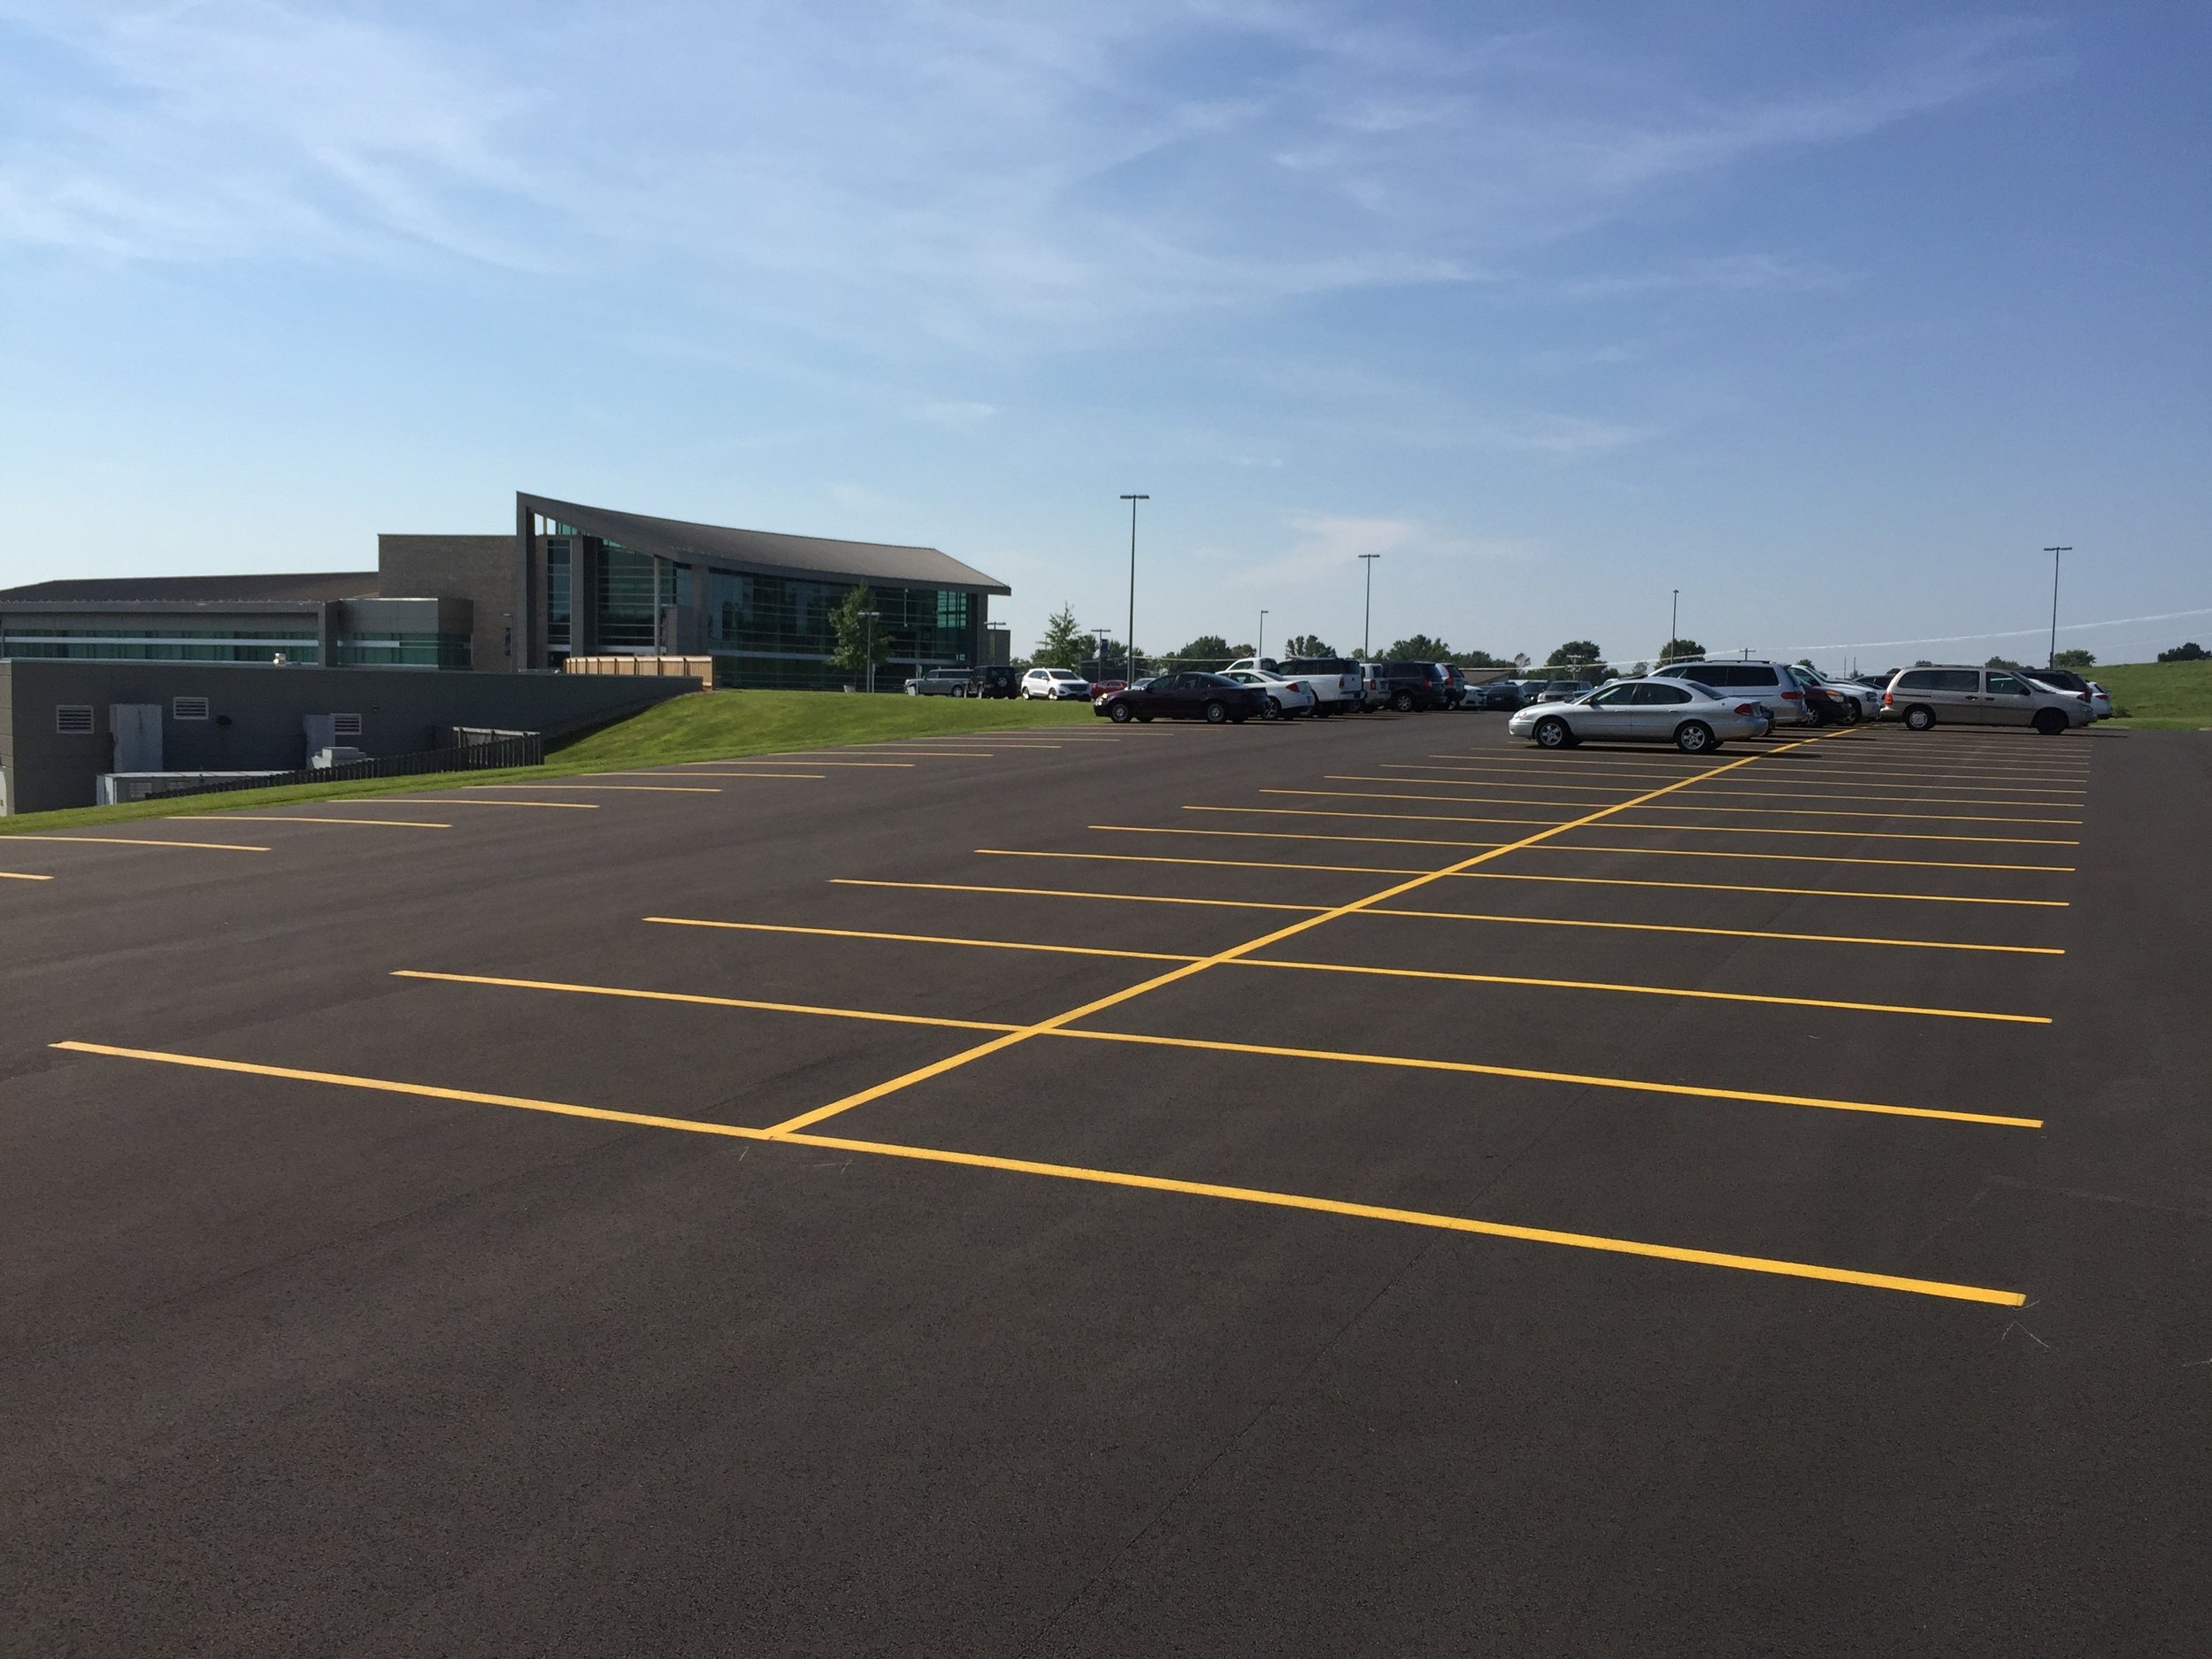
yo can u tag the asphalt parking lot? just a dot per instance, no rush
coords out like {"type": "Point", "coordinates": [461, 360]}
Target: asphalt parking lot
{"type": "Point", "coordinates": [1354, 1186]}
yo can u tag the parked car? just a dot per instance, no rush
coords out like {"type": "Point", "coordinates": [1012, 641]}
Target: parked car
{"type": "Point", "coordinates": [2099, 701]}
{"type": "Point", "coordinates": [1049, 683]}
{"type": "Point", "coordinates": [1335, 681]}
{"type": "Point", "coordinates": [1286, 699]}
{"type": "Point", "coordinates": [1868, 698]}
{"type": "Point", "coordinates": [1456, 686]}
{"type": "Point", "coordinates": [944, 682]}
{"type": "Point", "coordinates": [1558, 690]}
{"type": "Point", "coordinates": [1374, 693]}
{"type": "Point", "coordinates": [1499, 693]}
{"type": "Point", "coordinates": [1828, 704]}
{"type": "Point", "coordinates": [1923, 697]}
{"type": "Point", "coordinates": [1265, 665]}
{"type": "Point", "coordinates": [1412, 685]}
{"type": "Point", "coordinates": [2044, 680]}
{"type": "Point", "coordinates": [1772, 683]}
{"type": "Point", "coordinates": [995, 679]}
{"type": "Point", "coordinates": [1695, 718]}
{"type": "Point", "coordinates": [1187, 694]}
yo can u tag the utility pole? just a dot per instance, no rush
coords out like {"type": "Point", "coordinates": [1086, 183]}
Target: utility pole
{"type": "Point", "coordinates": [1674, 622]}
{"type": "Point", "coordinates": [2054, 551]}
{"type": "Point", "coordinates": [871, 615]}
{"type": "Point", "coordinates": [1260, 650]}
{"type": "Point", "coordinates": [1367, 616]}
{"type": "Point", "coordinates": [1130, 643]}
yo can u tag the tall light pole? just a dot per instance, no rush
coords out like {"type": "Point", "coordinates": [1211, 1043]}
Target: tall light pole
{"type": "Point", "coordinates": [2054, 552]}
{"type": "Point", "coordinates": [1674, 622]}
{"type": "Point", "coordinates": [871, 615]}
{"type": "Point", "coordinates": [1130, 643]}
{"type": "Point", "coordinates": [1367, 616]}
{"type": "Point", "coordinates": [1261, 649]}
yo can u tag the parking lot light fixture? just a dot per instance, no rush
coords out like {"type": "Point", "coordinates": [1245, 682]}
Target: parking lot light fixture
{"type": "Point", "coordinates": [1260, 650]}
{"type": "Point", "coordinates": [1129, 642]}
{"type": "Point", "coordinates": [2052, 661]}
{"type": "Point", "coordinates": [1367, 615]}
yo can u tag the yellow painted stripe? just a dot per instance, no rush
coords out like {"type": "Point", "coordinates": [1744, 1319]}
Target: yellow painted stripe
{"type": "Point", "coordinates": [299, 818]}
{"type": "Point", "coordinates": [1285, 835]}
{"type": "Point", "coordinates": [694, 768]}
{"type": "Point", "coordinates": [1393, 974]}
{"type": "Point", "coordinates": [923, 938]}
{"type": "Point", "coordinates": [1640, 852]}
{"type": "Point", "coordinates": [1853, 833]}
{"type": "Point", "coordinates": [938, 1069]}
{"type": "Point", "coordinates": [1461, 916]}
{"type": "Point", "coordinates": [17, 875]}
{"type": "Point", "coordinates": [1219, 864]}
{"type": "Point", "coordinates": [615, 788]}
{"type": "Point", "coordinates": [1108, 1178]}
{"type": "Point", "coordinates": [1815, 858]}
{"type": "Point", "coordinates": [1825, 776]}
{"type": "Point", "coordinates": [448, 800]}
{"type": "Point", "coordinates": [1785, 812]}
{"type": "Point", "coordinates": [1468, 1068]}
{"type": "Point", "coordinates": [139, 840]}
{"type": "Point", "coordinates": [814, 775]}
{"type": "Point", "coordinates": [926, 754]}
{"type": "Point", "coordinates": [1060, 892]}
{"type": "Point", "coordinates": [708, 1001]}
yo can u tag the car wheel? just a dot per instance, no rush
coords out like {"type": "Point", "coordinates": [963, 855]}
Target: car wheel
{"type": "Point", "coordinates": [2050, 722]}
{"type": "Point", "coordinates": [1851, 715]}
{"type": "Point", "coordinates": [1272, 711]}
{"type": "Point", "coordinates": [959, 691]}
{"type": "Point", "coordinates": [1403, 703]}
{"type": "Point", "coordinates": [1919, 718]}
{"type": "Point", "coordinates": [1216, 713]}
{"type": "Point", "coordinates": [1553, 733]}
{"type": "Point", "coordinates": [1119, 713]}
{"type": "Point", "coordinates": [1694, 737]}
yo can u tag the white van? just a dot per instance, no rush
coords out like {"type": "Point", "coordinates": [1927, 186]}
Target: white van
{"type": "Point", "coordinates": [1959, 696]}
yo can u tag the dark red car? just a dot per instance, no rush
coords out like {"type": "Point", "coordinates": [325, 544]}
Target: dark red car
{"type": "Point", "coordinates": [1187, 696]}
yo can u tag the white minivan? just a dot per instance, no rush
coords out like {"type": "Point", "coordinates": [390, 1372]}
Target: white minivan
{"type": "Point", "coordinates": [1959, 696]}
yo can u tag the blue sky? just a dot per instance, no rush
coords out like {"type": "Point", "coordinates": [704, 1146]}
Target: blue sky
{"type": "Point", "coordinates": [1830, 317]}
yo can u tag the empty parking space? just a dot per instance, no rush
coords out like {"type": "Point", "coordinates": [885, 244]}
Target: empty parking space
{"type": "Point", "coordinates": [1758, 1030]}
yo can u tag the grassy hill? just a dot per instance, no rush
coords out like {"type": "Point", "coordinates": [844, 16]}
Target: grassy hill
{"type": "Point", "coordinates": [2176, 695]}
{"type": "Point", "coordinates": [715, 726]}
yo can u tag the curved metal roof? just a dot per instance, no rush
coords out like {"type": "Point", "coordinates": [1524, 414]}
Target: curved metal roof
{"type": "Point", "coordinates": [767, 552]}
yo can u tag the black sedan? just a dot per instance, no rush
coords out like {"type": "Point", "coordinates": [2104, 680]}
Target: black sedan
{"type": "Point", "coordinates": [1213, 698]}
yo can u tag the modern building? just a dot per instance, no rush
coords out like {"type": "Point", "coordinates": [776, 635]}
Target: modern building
{"type": "Point", "coordinates": [571, 580]}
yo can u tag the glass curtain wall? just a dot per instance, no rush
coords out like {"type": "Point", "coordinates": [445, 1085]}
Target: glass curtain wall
{"type": "Point", "coordinates": [775, 631]}
{"type": "Point", "coordinates": [163, 645]}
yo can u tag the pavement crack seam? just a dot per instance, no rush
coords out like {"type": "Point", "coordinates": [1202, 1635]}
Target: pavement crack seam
{"type": "Point", "coordinates": [967, 1056]}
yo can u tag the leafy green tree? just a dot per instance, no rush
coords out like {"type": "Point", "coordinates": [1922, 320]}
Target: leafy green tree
{"type": "Point", "coordinates": [1576, 651]}
{"type": "Point", "coordinates": [1307, 645]}
{"type": "Point", "coordinates": [1208, 647]}
{"type": "Point", "coordinates": [1681, 651]}
{"type": "Point", "coordinates": [1419, 648]}
{"type": "Point", "coordinates": [2191, 652]}
{"type": "Point", "coordinates": [2001, 662]}
{"type": "Point", "coordinates": [2076, 660]}
{"type": "Point", "coordinates": [1482, 659]}
{"type": "Point", "coordinates": [862, 639]}
{"type": "Point", "coordinates": [1064, 643]}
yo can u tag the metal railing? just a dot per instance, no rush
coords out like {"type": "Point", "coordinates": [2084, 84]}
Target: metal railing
{"type": "Point", "coordinates": [477, 750]}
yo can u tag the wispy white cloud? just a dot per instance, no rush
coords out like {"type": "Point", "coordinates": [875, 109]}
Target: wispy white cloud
{"type": "Point", "coordinates": [986, 175]}
{"type": "Point", "coordinates": [956, 416]}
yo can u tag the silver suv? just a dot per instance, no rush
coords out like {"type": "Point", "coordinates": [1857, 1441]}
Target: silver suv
{"type": "Point", "coordinates": [1771, 683]}
{"type": "Point", "coordinates": [1923, 697]}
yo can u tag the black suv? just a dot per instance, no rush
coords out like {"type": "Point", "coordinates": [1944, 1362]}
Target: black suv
{"type": "Point", "coordinates": [1410, 685]}
{"type": "Point", "coordinates": [995, 679]}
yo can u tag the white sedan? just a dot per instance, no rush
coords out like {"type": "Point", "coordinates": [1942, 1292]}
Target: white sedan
{"type": "Point", "coordinates": [1286, 699]}
{"type": "Point", "coordinates": [1693, 717]}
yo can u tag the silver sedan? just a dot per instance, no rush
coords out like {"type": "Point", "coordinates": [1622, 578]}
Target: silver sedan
{"type": "Point", "coordinates": [1695, 718]}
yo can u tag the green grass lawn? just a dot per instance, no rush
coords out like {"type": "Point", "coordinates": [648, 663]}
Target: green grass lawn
{"type": "Point", "coordinates": [2175, 696]}
{"type": "Point", "coordinates": [715, 726]}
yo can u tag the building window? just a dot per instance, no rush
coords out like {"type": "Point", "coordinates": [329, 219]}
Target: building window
{"type": "Point", "coordinates": [558, 574]}
{"type": "Point", "coordinates": [628, 611]}
{"type": "Point", "coordinates": [403, 650]}
{"type": "Point", "coordinates": [72, 719]}
{"type": "Point", "coordinates": [162, 645]}
{"type": "Point", "coordinates": [188, 708]}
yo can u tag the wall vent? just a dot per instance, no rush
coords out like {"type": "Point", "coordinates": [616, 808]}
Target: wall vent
{"type": "Point", "coordinates": [72, 719]}
{"type": "Point", "coordinates": [188, 708]}
{"type": "Point", "coordinates": [345, 726]}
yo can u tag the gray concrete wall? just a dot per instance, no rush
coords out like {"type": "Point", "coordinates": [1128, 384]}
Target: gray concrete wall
{"type": "Point", "coordinates": [256, 712]}
{"type": "Point", "coordinates": [478, 568]}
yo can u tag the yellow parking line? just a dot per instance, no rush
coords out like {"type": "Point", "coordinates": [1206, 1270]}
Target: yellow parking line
{"type": "Point", "coordinates": [696, 768]}
{"type": "Point", "coordinates": [1059, 892]}
{"type": "Point", "coordinates": [299, 818]}
{"type": "Point", "coordinates": [1289, 835]}
{"type": "Point", "coordinates": [1106, 1178]}
{"type": "Point", "coordinates": [1461, 916]}
{"type": "Point", "coordinates": [709, 1002]}
{"type": "Point", "coordinates": [139, 840]}
{"type": "Point", "coordinates": [926, 754]}
{"type": "Point", "coordinates": [1467, 1068]}
{"type": "Point", "coordinates": [1392, 973]}
{"type": "Point", "coordinates": [786, 773]}
{"type": "Point", "coordinates": [1745, 886]}
{"type": "Point", "coordinates": [1848, 834]}
{"type": "Point", "coordinates": [1816, 858]}
{"type": "Point", "coordinates": [1887, 818]}
{"type": "Point", "coordinates": [613, 788]}
{"type": "Point", "coordinates": [1839, 774]}
{"type": "Point", "coordinates": [1820, 793]}
{"type": "Point", "coordinates": [1715, 828]}
{"type": "Point", "coordinates": [449, 800]}
{"type": "Point", "coordinates": [1219, 864]}
{"type": "Point", "coordinates": [17, 875]}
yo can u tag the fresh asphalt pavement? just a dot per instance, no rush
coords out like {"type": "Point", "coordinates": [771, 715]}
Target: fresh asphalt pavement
{"type": "Point", "coordinates": [1363, 1187]}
